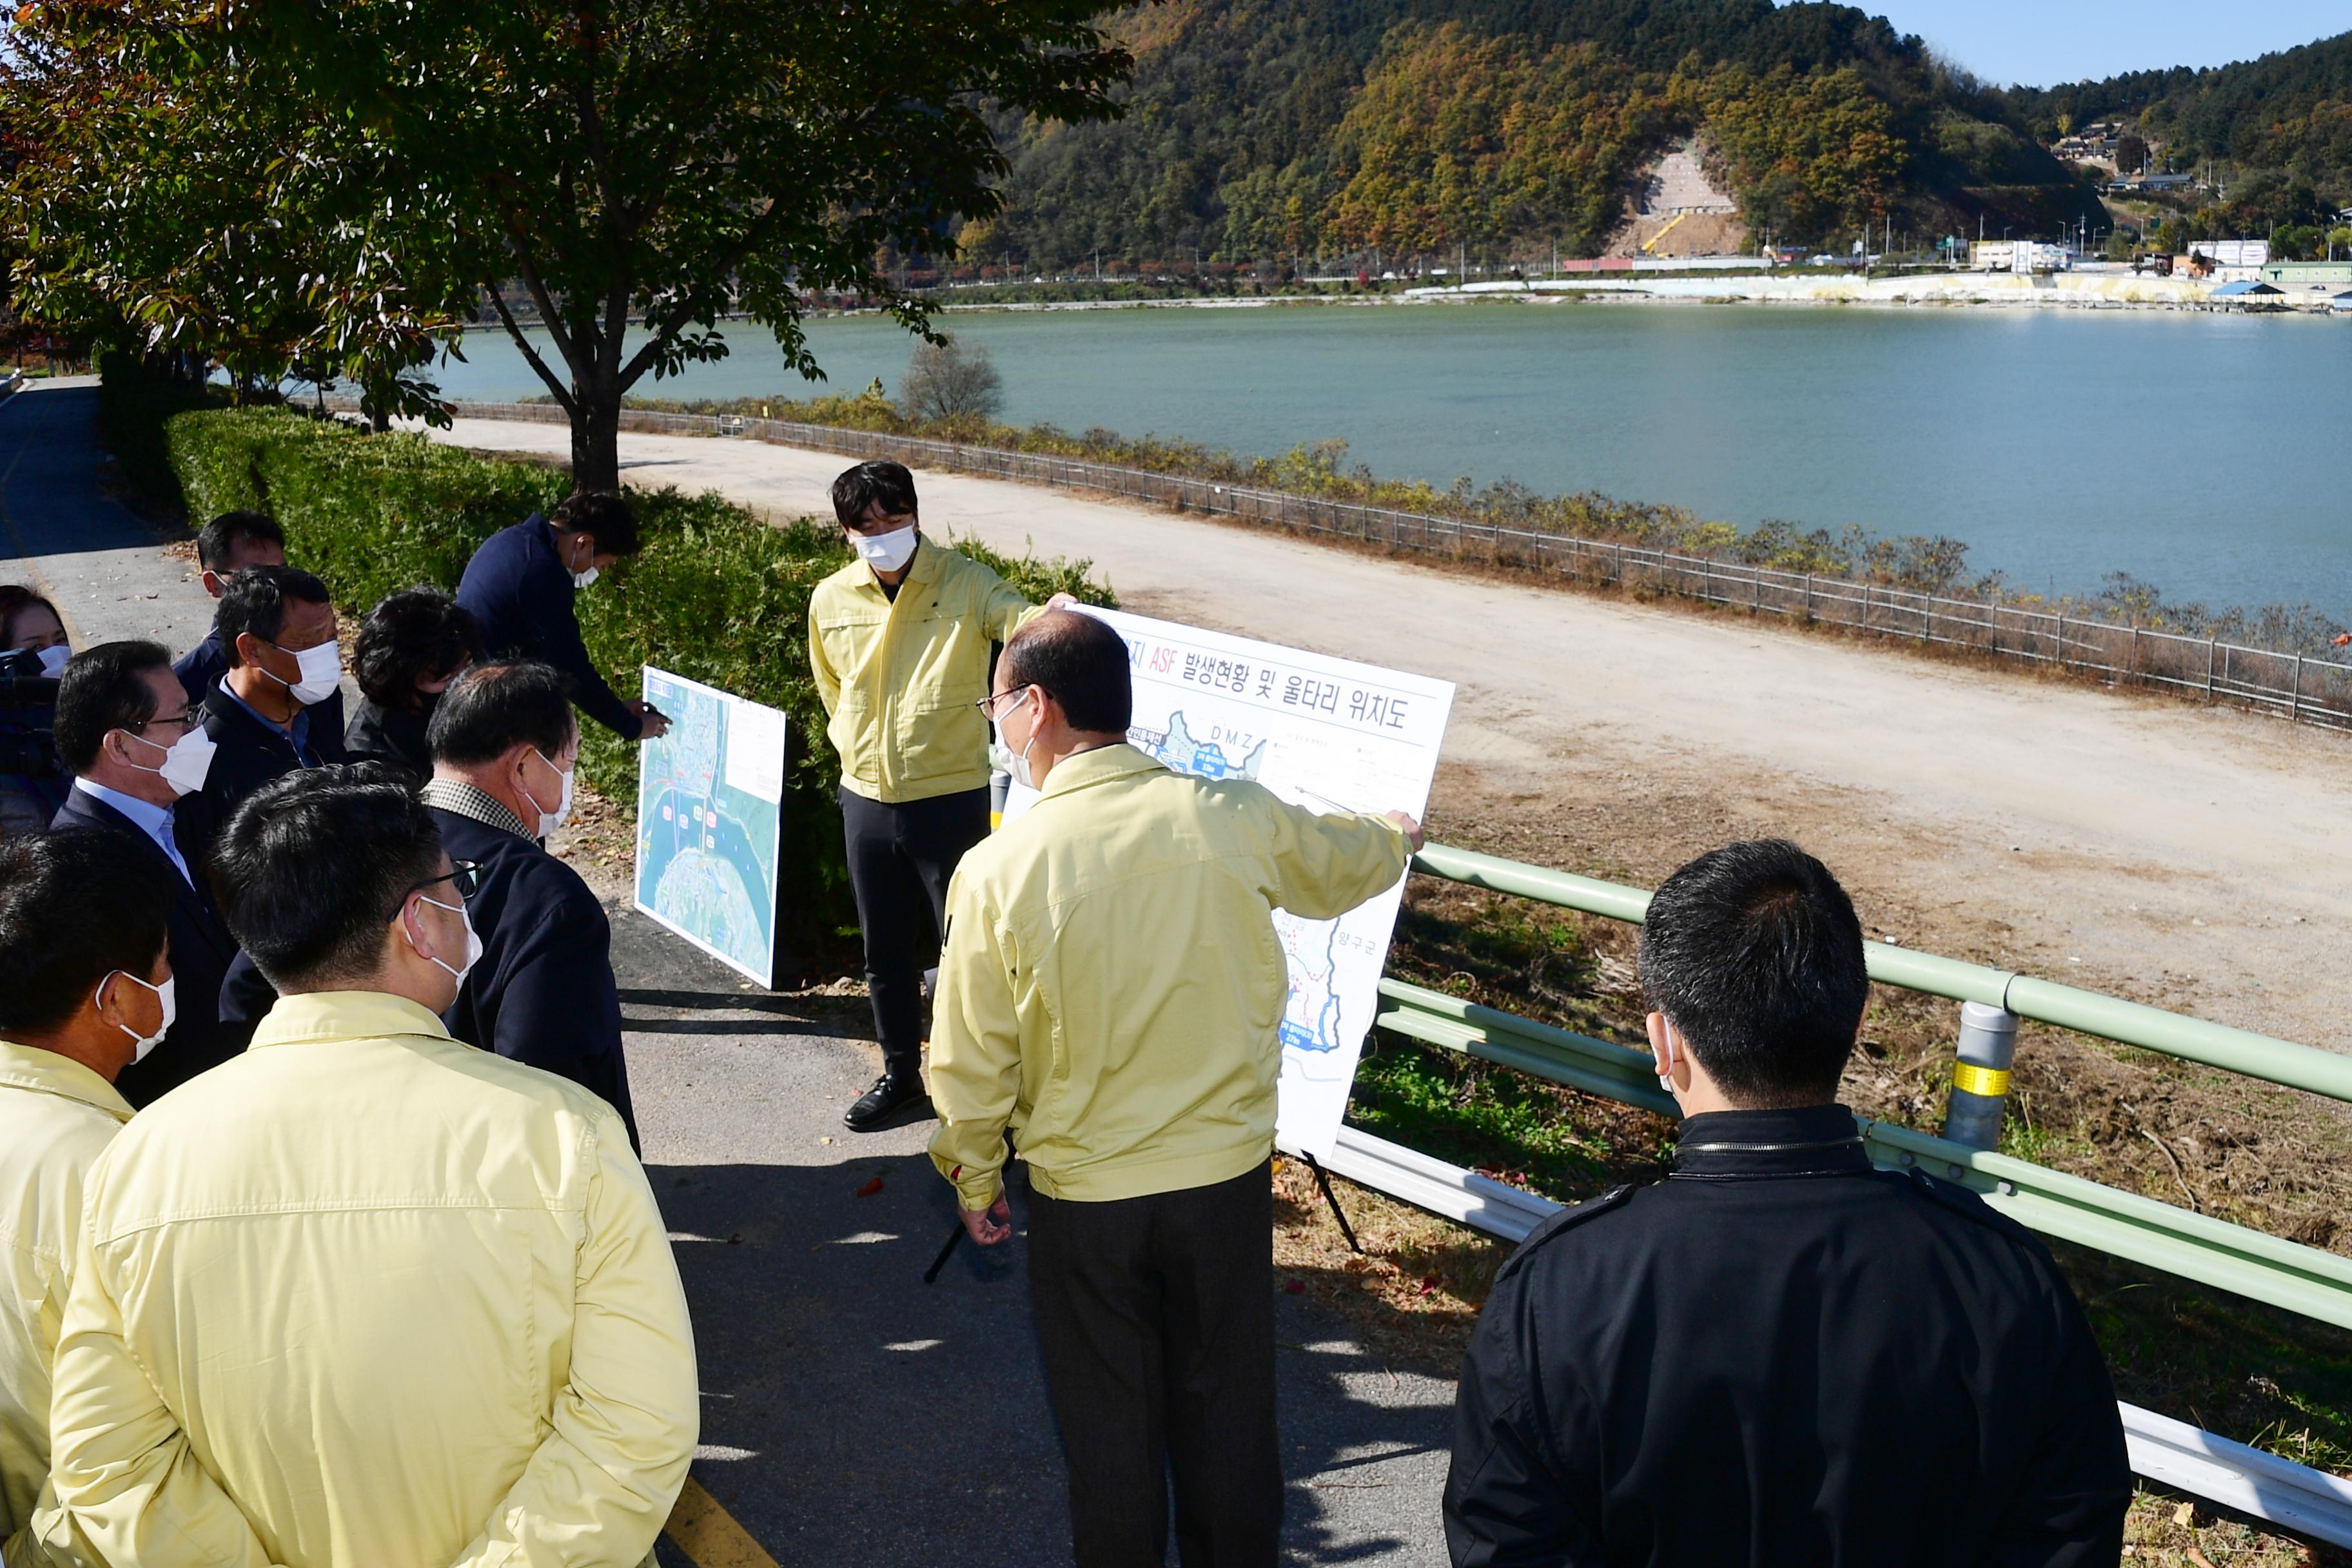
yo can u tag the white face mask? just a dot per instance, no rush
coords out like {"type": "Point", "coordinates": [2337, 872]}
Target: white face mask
{"type": "Point", "coordinates": [53, 661]}
{"type": "Point", "coordinates": [887, 551]}
{"type": "Point", "coordinates": [167, 993]}
{"type": "Point", "coordinates": [548, 821]}
{"type": "Point", "coordinates": [1019, 763]}
{"type": "Point", "coordinates": [472, 941]}
{"type": "Point", "coordinates": [589, 574]}
{"type": "Point", "coordinates": [186, 761]}
{"type": "Point", "coordinates": [321, 670]}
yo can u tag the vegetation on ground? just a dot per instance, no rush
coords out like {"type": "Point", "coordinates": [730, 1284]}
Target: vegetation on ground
{"type": "Point", "coordinates": [1261, 129]}
{"type": "Point", "coordinates": [2276, 131]}
{"type": "Point", "coordinates": [717, 594]}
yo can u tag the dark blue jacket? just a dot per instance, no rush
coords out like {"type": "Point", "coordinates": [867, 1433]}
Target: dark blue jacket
{"type": "Point", "coordinates": [202, 949]}
{"type": "Point", "coordinates": [543, 992]}
{"type": "Point", "coordinates": [249, 754]}
{"type": "Point", "coordinates": [518, 590]}
{"type": "Point", "coordinates": [201, 667]}
{"type": "Point", "coordinates": [1780, 1355]}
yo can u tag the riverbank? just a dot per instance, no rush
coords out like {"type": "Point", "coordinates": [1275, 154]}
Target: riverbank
{"type": "Point", "coordinates": [2089, 288]}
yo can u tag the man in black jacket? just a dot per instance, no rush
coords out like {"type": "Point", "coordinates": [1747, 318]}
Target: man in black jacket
{"type": "Point", "coordinates": [125, 730]}
{"type": "Point", "coordinates": [521, 585]}
{"type": "Point", "coordinates": [264, 714]}
{"type": "Point", "coordinates": [227, 546]}
{"type": "Point", "coordinates": [1779, 1354]}
{"type": "Point", "coordinates": [504, 742]}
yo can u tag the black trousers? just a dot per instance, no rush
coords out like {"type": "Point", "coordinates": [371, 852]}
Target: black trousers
{"type": "Point", "coordinates": [900, 858]}
{"type": "Point", "coordinates": [1155, 1317]}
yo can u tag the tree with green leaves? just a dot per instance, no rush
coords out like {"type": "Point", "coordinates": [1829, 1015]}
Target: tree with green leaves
{"type": "Point", "coordinates": [642, 168]}
{"type": "Point", "coordinates": [203, 216]}
{"type": "Point", "coordinates": [637, 169]}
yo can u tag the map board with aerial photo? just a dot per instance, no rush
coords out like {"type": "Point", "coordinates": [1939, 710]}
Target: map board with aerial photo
{"type": "Point", "coordinates": [709, 807]}
{"type": "Point", "coordinates": [1321, 732]}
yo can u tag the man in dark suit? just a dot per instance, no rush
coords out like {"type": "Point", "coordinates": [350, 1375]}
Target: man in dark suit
{"type": "Point", "coordinates": [519, 585]}
{"type": "Point", "coordinates": [126, 731]}
{"type": "Point", "coordinates": [264, 715]}
{"type": "Point", "coordinates": [229, 544]}
{"type": "Point", "coordinates": [504, 742]}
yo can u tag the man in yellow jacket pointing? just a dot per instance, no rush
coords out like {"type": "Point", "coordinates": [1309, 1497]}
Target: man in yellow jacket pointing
{"type": "Point", "coordinates": [365, 1294]}
{"type": "Point", "coordinates": [1111, 991]}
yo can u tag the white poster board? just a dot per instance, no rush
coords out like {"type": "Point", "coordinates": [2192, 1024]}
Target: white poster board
{"type": "Point", "coordinates": [710, 817]}
{"type": "Point", "coordinates": [1322, 732]}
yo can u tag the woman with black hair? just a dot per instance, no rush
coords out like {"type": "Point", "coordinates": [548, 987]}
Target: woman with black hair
{"type": "Point", "coordinates": [412, 646]}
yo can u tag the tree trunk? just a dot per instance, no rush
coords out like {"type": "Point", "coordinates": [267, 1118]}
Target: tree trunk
{"type": "Point", "coordinates": [596, 441]}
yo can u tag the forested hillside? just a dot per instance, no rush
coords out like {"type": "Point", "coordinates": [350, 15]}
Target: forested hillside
{"type": "Point", "coordinates": [1260, 128]}
{"type": "Point", "coordinates": [2282, 124]}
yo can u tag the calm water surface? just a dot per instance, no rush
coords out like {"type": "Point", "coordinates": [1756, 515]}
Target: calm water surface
{"type": "Point", "coordinates": [2210, 454]}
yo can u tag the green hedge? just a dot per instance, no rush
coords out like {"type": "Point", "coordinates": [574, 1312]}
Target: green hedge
{"type": "Point", "coordinates": [715, 595]}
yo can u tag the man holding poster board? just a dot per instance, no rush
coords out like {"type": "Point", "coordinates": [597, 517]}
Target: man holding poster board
{"type": "Point", "coordinates": [1114, 988]}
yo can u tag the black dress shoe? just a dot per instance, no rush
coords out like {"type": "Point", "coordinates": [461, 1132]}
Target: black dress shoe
{"type": "Point", "coordinates": [893, 1101]}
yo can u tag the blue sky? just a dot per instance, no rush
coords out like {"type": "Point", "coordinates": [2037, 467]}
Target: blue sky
{"type": "Point", "coordinates": [2043, 41]}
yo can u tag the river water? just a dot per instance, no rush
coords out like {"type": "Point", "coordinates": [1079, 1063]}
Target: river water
{"type": "Point", "coordinates": [2210, 454]}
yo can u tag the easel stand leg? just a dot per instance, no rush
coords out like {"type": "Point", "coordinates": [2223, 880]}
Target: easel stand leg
{"type": "Point", "coordinates": [1323, 1180]}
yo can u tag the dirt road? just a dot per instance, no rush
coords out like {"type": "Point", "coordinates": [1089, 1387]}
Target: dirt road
{"type": "Point", "coordinates": [2196, 858]}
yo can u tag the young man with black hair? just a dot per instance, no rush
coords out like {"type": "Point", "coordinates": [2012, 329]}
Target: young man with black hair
{"type": "Point", "coordinates": [136, 751]}
{"type": "Point", "coordinates": [227, 546]}
{"type": "Point", "coordinates": [521, 585]}
{"type": "Point", "coordinates": [367, 1294]}
{"type": "Point", "coordinates": [900, 642]}
{"type": "Point", "coordinates": [1112, 990]}
{"type": "Point", "coordinates": [268, 715]}
{"type": "Point", "coordinates": [85, 989]}
{"type": "Point", "coordinates": [504, 745]}
{"type": "Point", "coordinates": [1778, 1353]}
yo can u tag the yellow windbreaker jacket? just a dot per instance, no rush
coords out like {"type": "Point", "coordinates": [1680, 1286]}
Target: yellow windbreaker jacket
{"type": "Point", "coordinates": [367, 1295]}
{"type": "Point", "coordinates": [57, 1117]}
{"type": "Point", "coordinates": [899, 678]}
{"type": "Point", "coordinates": [1112, 983]}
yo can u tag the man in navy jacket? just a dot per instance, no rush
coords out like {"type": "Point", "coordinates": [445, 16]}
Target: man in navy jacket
{"type": "Point", "coordinates": [504, 742]}
{"type": "Point", "coordinates": [519, 585]}
{"type": "Point", "coordinates": [229, 544]}
{"type": "Point", "coordinates": [121, 714]}
{"type": "Point", "coordinates": [1778, 1353]}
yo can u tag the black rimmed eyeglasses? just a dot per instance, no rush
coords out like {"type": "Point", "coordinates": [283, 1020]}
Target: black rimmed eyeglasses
{"type": "Point", "coordinates": [466, 875]}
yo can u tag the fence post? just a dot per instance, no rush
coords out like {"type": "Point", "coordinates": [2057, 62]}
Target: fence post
{"type": "Point", "coordinates": [2209, 669]}
{"type": "Point", "coordinates": [1980, 1075]}
{"type": "Point", "coordinates": [1808, 595]}
{"type": "Point", "coordinates": [2061, 639]}
{"type": "Point", "coordinates": [2294, 704]}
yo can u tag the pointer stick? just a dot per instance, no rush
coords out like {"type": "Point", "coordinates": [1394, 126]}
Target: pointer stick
{"type": "Point", "coordinates": [931, 1274]}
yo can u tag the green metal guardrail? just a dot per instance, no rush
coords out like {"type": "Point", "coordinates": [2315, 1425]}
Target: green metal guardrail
{"type": "Point", "coordinates": [2214, 1252]}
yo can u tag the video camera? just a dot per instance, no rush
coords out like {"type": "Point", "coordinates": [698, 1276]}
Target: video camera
{"type": "Point", "coordinates": [28, 746]}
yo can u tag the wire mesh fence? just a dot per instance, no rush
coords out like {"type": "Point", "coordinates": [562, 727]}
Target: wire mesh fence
{"type": "Point", "coordinates": [2301, 688]}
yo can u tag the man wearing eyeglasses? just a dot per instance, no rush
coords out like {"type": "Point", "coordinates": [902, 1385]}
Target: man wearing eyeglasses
{"type": "Point", "coordinates": [367, 1294]}
{"type": "Point", "coordinates": [126, 731]}
{"type": "Point", "coordinates": [900, 641]}
{"type": "Point", "coordinates": [504, 742]}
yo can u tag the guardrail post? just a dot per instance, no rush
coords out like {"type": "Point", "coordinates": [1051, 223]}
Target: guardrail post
{"type": "Point", "coordinates": [1980, 1075]}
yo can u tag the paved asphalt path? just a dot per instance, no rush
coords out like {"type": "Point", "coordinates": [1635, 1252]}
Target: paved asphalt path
{"type": "Point", "coordinates": [78, 547]}
{"type": "Point", "coordinates": [852, 1415]}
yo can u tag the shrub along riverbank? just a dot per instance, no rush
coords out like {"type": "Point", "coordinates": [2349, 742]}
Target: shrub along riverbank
{"type": "Point", "coordinates": [1320, 471]}
{"type": "Point", "coordinates": [715, 595]}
